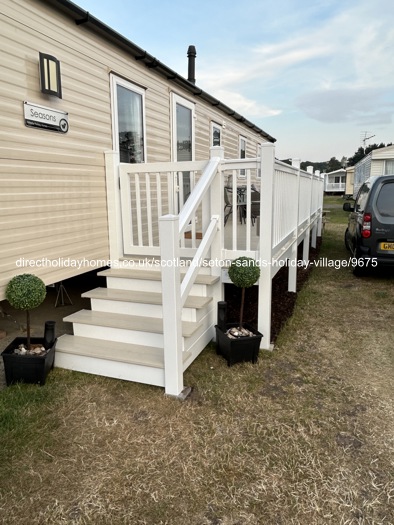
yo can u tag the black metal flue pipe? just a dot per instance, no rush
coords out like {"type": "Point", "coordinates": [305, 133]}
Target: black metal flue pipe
{"type": "Point", "coordinates": [191, 74]}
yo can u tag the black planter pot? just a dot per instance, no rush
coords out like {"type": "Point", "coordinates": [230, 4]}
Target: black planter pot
{"type": "Point", "coordinates": [238, 350]}
{"type": "Point", "coordinates": [27, 368]}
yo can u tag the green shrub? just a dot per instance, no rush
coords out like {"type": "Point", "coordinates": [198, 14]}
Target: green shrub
{"type": "Point", "coordinates": [244, 273]}
{"type": "Point", "coordinates": [25, 292]}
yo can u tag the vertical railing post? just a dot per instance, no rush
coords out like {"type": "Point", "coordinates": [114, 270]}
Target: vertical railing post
{"type": "Point", "coordinates": [113, 205]}
{"type": "Point", "coordinates": [265, 245]}
{"type": "Point", "coordinates": [315, 226]}
{"type": "Point", "coordinates": [172, 308]}
{"type": "Point", "coordinates": [321, 193]}
{"type": "Point", "coordinates": [217, 206]}
{"type": "Point", "coordinates": [292, 273]}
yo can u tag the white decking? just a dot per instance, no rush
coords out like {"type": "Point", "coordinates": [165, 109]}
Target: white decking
{"type": "Point", "coordinates": [145, 330]}
{"type": "Point", "coordinates": [122, 335]}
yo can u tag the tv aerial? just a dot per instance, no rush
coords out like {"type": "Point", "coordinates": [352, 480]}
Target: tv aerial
{"type": "Point", "coordinates": [364, 137]}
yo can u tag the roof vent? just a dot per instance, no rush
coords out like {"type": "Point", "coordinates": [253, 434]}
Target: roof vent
{"type": "Point", "coordinates": [191, 55]}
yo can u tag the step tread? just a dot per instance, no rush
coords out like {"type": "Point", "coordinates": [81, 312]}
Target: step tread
{"type": "Point", "coordinates": [112, 350]}
{"type": "Point", "coordinates": [152, 275]}
{"type": "Point", "coordinates": [127, 322]}
{"type": "Point", "coordinates": [132, 296]}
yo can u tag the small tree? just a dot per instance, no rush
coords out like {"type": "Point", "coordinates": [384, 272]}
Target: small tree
{"type": "Point", "coordinates": [243, 273]}
{"type": "Point", "coordinates": [25, 292]}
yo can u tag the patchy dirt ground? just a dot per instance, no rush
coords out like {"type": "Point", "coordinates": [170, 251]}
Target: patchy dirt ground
{"type": "Point", "coordinates": [303, 437]}
{"type": "Point", "coordinates": [283, 301]}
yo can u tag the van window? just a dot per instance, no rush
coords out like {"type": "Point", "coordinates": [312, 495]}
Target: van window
{"type": "Point", "coordinates": [362, 198]}
{"type": "Point", "coordinates": [385, 200]}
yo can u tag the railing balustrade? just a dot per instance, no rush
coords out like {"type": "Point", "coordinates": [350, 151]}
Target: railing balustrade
{"type": "Point", "coordinates": [157, 220]}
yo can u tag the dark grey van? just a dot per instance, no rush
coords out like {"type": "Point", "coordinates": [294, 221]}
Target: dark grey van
{"type": "Point", "coordinates": [370, 232]}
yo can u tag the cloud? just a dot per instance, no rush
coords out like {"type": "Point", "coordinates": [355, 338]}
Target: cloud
{"type": "Point", "coordinates": [245, 106]}
{"type": "Point", "coordinates": [362, 106]}
{"type": "Point", "coordinates": [345, 54]}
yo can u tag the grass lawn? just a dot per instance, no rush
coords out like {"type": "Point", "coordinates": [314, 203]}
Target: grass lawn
{"type": "Point", "coordinates": [305, 437]}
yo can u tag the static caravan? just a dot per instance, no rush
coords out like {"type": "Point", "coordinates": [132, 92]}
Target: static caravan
{"type": "Point", "coordinates": [349, 182]}
{"type": "Point", "coordinates": [378, 162]}
{"type": "Point", "coordinates": [335, 181]}
{"type": "Point", "coordinates": [109, 158]}
{"type": "Point", "coordinates": [71, 90]}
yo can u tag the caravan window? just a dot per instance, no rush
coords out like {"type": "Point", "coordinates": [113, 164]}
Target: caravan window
{"type": "Point", "coordinates": [128, 121]}
{"type": "Point", "coordinates": [216, 134]}
{"type": "Point", "coordinates": [389, 167]}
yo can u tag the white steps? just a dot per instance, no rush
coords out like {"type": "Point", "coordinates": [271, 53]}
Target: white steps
{"type": "Point", "coordinates": [150, 280]}
{"type": "Point", "coordinates": [112, 351]}
{"type": "Point", "coordinates": [124, 322]}
{"type": "Point", "coordinates": [136, 302]}
{"type": "Point", "coordinates": [122, 335]}
{"type": "Point", "coordinates": [111, 359]}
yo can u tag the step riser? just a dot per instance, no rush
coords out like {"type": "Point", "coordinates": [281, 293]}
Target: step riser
{"type": "Point", "coordinates": [142, 309]}
{"type": "Point", "coordinates": [206, 327]}
{"type": "Point", "coordinates": [134, 336]}
{"type": "Point", "coordinates": [156, 267]}
{"type": "Point", "coordinates": [146, 285]}
{"type": "Point", "coordinates": [106, 368]}
{"type": "Point", "coordinates": [118, 334]}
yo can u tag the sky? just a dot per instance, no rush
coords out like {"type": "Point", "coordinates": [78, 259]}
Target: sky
{"type": "Point", "coordinates": [318, 75]}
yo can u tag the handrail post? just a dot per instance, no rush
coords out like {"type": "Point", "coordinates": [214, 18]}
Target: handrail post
{"type": "Point", "coordinates": [172, 308]}
{"type": "Point", "coordinates": [216, 205]}
{"type": "Point", "coordinates": [321, 193]}
{"type": "Point", "coordinates": [113, 205]}
{"type": "Point", "coordinates": [292, 271]}
{"type": "Point", "coordinates": [265, 245]}
{"type": "Point", "coordinates": [315, 226]}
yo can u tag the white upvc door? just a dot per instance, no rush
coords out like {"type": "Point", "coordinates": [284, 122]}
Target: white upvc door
{"type": "Point", "coordinates": [183, 145]}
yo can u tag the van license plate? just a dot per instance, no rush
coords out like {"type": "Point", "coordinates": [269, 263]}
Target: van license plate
{"type": "Point", "coordinates": [387, 246]}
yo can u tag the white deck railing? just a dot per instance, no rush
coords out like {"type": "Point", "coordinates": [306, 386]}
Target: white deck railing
{"type": "Point", "coordinates": [150, 191]}
{"type": "Point", "coordinates": [154, 223]}
{"type": "Point", "coordinates": [335, 186]}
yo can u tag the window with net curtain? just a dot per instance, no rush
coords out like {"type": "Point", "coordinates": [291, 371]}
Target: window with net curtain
{"type": "Point", "coordinates": [130, 125]}
{"type": "Point", "coordinates": [389, 167]}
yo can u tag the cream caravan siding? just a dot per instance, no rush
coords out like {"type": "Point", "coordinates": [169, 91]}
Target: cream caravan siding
{"type": "Point", "coordinates": [377, 168]}
{"type": "Point", "coordinates": [53, 203]}
{"type": "Point", "coordinates": [52, 186]}
{"type": "Point", "coordinates": [383, 153]}
{"type": "Point", "coordinates": [349, 181]}
{"type": "Point", "coordinates": [231, 131]}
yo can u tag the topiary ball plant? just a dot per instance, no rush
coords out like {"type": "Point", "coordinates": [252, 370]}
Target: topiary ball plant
{"type": "Point", "coordinates": [25, 292]}
{"type": "Point", "coordinates": [244, 273]}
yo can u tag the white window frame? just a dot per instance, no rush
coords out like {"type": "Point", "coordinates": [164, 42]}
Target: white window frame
{"type": "Point", "coordinates": [115, 81]}
{"type": "Point", "coordinates": [220, 128]}
{"type": "Point", "coordinates": [258, 155]}
{"type": "Point", "coordinates": [242, 173]}
{"type": "Point", "coordinates": [387, 163]}
{"type": "Point", "coordinates": [177, 99]}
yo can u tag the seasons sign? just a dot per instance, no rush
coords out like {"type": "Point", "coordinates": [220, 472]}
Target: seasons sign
{"type": "Point", "coordinates": [45, 118]}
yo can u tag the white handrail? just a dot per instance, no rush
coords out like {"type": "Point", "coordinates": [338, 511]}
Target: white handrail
{"type": "Point", "coordinates": [198, 193]}
{"type": "Point", "coordinates": [174, 291]}
{"type": "Point", "coordinates": [202, 250]}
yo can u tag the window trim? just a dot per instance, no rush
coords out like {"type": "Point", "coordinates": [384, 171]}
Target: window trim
{"type": "Point", "coordinates": [220, 128]}
{"type": "Point", "coordinates": [177, 99]}
{"type": "Point", "coordinates": [242, 172]}
{"type": "Point", "coordinates": [258, 155]}
{"type": "Point", "coordinates": [115, 81]}
{"type": "Point", "coordinates": [386, 163]}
